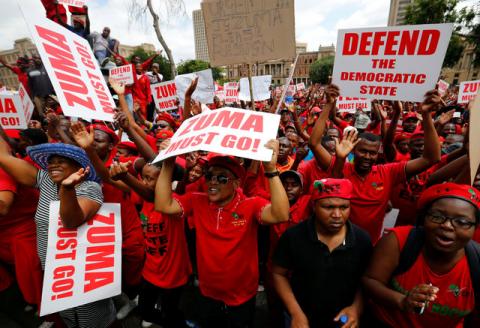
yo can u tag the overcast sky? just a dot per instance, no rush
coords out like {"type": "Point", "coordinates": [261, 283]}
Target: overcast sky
{"type": "Point", "coordinates": [317, 22]}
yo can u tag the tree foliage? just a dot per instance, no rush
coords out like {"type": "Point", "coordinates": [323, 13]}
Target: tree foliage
{"type": "Point", "coordinates": [445, 11]}
{"type": "Point", "coordinates": [162, 61]}
{"type": "Point", "coordinates": [193, 65]}
{"type": "Point", "coordinates": [321, 70]}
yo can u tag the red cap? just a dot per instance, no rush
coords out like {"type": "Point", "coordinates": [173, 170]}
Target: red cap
{"type": "Point", "coordinates": [410, 115]}
{"type": "Point", "coordinates": [164, 134]}
{"type": "Point", "coordinates": [128, 145]}
{"type": "Point", "coordinates": [167, 118]}
{"type": "Point", "coordinates": [229, 163]}
{"type": "Point", "coordinates": [329, 188]}
{"type": "Point", "coordinates": [107, 130]}
{"type": "Point", "coordinates": [12, 133]}
{"type": "Point", "coordinates": [402, 136]}
{"type": "Point", "coordinates": [449, 190]}
{"type": "Point", "coordinates": [417, 135]}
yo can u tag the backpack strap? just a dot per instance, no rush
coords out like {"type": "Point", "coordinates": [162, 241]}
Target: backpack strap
{"type": "Point", "coordinates": [472, 251]}
{"type": "Point", "coordinates": [412, 248]}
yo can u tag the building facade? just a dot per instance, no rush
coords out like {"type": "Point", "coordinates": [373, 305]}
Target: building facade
{"type": "Point", "coordinates": [464, 70]}
{"type": "Point", "coordinates": [306, 59]}
{"type": "Point", "coordinates": [201, 48]}
{"type": "Point", "coordinates": [126, 50]}
{"type": "Point", "coordinates": [398, 8]}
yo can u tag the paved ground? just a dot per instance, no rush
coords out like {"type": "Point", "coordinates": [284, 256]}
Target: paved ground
{"type": "Point", "coordinates": [12, 314]}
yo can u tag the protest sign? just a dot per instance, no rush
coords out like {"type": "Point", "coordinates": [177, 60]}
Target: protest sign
{"type": "Point", "coordinates": [229, 131]}
{"type": "Point", "coordinates": [231, 92]}
{"type": "Point", "coordinates": [16, 109]}
{"type": "Point", "coordinates": [165, 95]}
{"type": "Point", "coordinates": [83, 264]}
{"type": "Point", "coordinates": [350, 105]}
{"type": "Point", "coordinates": [73, 70]}
{"type": "Point", "coordinates": [261, 88]}
{"type": "Point", "coordinates": [467, 91]}
{"type": "Point", "coordinates": [393, 63]}
{"type": "Point", "coordinates": [300, 86]}
{"type": "Point", "coordinates": [290, 90]}
{"type": "Point", "coordinates": [249, 31]}
{"type": "Point", "coordinates": [474, 137]}
{"type": "Point", "coordinates": [205, 90]}
{"type": "Point", "coordinates": [442, 87]}
{"type": "Point", "coordinates": [220, 94]}
{"type": "Point", "coordinates": [122, 74]}
{"type": "Point", "coordinates": [73, 3]}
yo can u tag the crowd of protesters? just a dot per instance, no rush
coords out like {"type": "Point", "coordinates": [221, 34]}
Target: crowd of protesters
{"type": "Point", "coordinates": [308, 225]}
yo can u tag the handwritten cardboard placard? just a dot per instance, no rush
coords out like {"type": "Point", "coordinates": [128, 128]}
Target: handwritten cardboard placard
{"type": "Point", "coordinates": [205, 90]}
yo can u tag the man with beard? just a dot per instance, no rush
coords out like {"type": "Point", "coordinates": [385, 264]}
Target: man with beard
{"type": "Point", "coordinates": [373, 184]}
{"type": "Point", "coordinates": [319, 262]}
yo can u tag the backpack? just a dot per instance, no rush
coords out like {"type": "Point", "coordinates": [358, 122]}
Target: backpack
{"type": "Point", "coordinates": [413, 247]}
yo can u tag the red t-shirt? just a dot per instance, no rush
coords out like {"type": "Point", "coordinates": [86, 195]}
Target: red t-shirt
{"type": "Point", "coordinates": [371, 195]}
{"type": "Point", "coordinates": [226, 245]}
{"type": "Point", "coordinates": [167, 264]}
{"type": "Point", "coordinates": [399, 157]}
{"type": "Point", "coordinates": [24, 206]}
{"type": "Point", "coordinates": [311, 172]}
{"type": "Point", "coordinates": [455, 298]}
{"type": "Point", "coordinates": [22, 77]}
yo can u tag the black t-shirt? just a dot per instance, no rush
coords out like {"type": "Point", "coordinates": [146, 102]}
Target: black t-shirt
{"type": "Point", "coordinates": [39, 82]}
{"type": "Point", "coordinates": [323, 282]}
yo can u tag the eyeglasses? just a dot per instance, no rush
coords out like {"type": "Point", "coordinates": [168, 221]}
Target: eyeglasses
{"type": "Point", "coordinates": [460, 223]}
{"type": "Point", "coordinates": [162, 126]}
{"type": "Point", "coordinates": [221, 179]}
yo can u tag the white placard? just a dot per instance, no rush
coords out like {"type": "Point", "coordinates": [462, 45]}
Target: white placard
{"type": "Point", "coordinates": [73, 3]}
{"type": "Point", "coordinates": [350, 105]}
{"type": "Point", "coordinates": [165, 95]}
{"type": "Point", "coordinates": [73, 70]}
{"type": "Point", "coordinates": [393, 63]}
{"type": "Point", "coordinates": [122, 74]}
{"type": "Point", "coordinates": [12, 115]}
{"type": "Point", "coordinates": [27, 103]}
{"type": "Point", "coordinates": [442, 87]}
{"type": "Point", "coordinates": [83, 265]}
{"type": "Point", "coordinates": [231, 92]}
{"type": "Point", "coordinates": [390, 220]}
{"type": "Point", "coordinates": [261, 88]}
{"type": "Point", "coordinates": [229, 131]}
{"type": "Point", "coordinates": [467, 91]}
{"type": "Point", "coordinates": [205, 90]}
{"type": "Point", "coordinates": [300, 86]}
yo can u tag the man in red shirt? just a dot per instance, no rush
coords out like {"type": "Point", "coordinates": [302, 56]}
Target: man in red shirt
{"type": "Point", "coordinates": [373, 184]}
{"type": "Point", "coordinates": [20, 70]}
{"type": "Point", "coordinates": [226, 224]}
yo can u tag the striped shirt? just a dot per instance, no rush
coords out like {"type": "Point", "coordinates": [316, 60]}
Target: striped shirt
{"type": "Point", "coordinates": [92, 315]}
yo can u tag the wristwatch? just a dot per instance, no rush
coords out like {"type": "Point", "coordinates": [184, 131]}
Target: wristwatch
{"type": "Point", "coordinates": [271, 174]}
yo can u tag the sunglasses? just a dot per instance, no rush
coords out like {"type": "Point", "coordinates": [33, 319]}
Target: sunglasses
{"type": "Point", "coordinates": [162, 126]}
{"type": "Point", "coordinates": [221, 179]}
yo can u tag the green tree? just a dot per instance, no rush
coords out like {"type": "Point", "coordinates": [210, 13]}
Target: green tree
{"type": "Point", "coordinates": [321, 70]}
{"type": "Point", "coordinates": [193, 65]}
{"type": "Point", "coordinates": [445, 11]}
{"type": "Point", "coordinates": [165, 68]}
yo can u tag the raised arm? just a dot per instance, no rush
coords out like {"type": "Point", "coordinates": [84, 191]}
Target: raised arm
{"type": "Point", "coordinates": [388, 148]}
{"type": "Point", "coordinates": [322, 155]}
{"type": "Point", "coordinates": [431, 151]}
{"type": "Point", "coordinates": [22, 171]}
{"type": "Point", "coordinates": [119, 171]}
{"type": "Point", "coordinates": [278, 210]}
{"type": "Point", "coordinates": [143, 147]}
{"type": "Point", "coordinates": [187, 106]}
{"type": "Point", "coordinates": [164, 202]}
{"type": "Point", "coordinates": [75, 210]}
{"type": "Point", "coordinates": [4, 63]}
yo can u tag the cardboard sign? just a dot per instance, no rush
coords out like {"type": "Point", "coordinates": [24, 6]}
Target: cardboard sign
{"type": "Point", "coordinates": [165, 95]}
{"type": "Point", "coordinates": [300, 86]}
{"type": "Point", "coordinates": [468, 91]}
{"type": "Point", "coordinates": [73, 3]}
{"type": "Point", "coordinates": [16, 109]}
{"type": "Point", "coordinates": [442, 87]}
{"type": "Point", "coordinates": [249, 31]}
{"type": "Point", "coordinates": [83, 265]}
{"type": "Point", "coordinates": [261, 88]}
{"type": "Point", "coordinates": [73, 70]}
{"type": "Point", "coordinates": [350, 105]}
{"type": "Point", "coordinates": [122, 74]}
{"type": "Point", "coordinates": [205, 90]}
{"type": "Point", "coordinates": [392, 63]}
{"type": "Point", "coordinates": [231, 92]}
{"type": "Point", "coordinates": [474, 137]}
{"type": "Point", "coordinates": [229, 131]}
{"type": "Point", "coordinates": [220, 94]}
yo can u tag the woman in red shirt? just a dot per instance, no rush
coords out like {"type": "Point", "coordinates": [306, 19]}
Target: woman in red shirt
{"type": "Point", "coordinates": [437, 289]}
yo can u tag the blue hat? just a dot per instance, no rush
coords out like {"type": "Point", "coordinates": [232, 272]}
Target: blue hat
{"type": "Point", "coordinates": [41, 153]}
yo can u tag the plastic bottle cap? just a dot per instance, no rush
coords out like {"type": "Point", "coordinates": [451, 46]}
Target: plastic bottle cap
{"type": "Point", "coordinates": [343, 318]}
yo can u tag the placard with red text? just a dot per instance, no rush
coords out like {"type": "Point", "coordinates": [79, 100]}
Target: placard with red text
{"type": "Point", "coordinates": [16, 109]}
{"type": "Point", "coordinates": [392, 63]}
{"type": "Point", "coordinates": [442, 87]}
{"type": "Point", "coordinates": [229, 131]}
{"type": "Point", "coordinates": [122, 74]}
{"type": "Point", "coordinates": [83, 264]}
{"type": "Point", "coordinates": [165, 95]}
{"type": "Point", "coordinates": [73, 3]}
{"type": "Point", "coordinates": [73, 70]}
{"type": "Point", "coordinates": [467, 91]}
{"type": "Point", "coordinates": [231, 92]}
{"type": "Point", "coordinates": [350, 105]}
